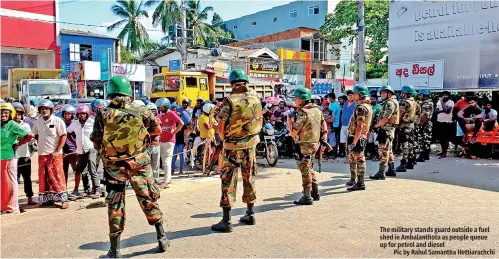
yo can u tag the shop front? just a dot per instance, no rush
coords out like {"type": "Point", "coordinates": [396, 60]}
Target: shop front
{"type": "Point", "coordinates": [85, 79]}
{"type": "Point", "coordinates": [295, 68]}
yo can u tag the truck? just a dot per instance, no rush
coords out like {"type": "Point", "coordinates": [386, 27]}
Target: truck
{"type": "Point", "coordinates": [198, 83]}
{"type": "Point", "coordinates": [26, 84]}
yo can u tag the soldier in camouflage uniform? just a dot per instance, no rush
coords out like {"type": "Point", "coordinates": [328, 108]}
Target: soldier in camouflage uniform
{"type": "Point", "coordinates": [306, 130]}
{"type": "Point", "coordinates": [122, 131]}
{"type": "Point", "coordinates": [241, 120]}
{"type": "Point", "coordinates": [385, 126]}
{"type": "Point", "coordinates": [417, 148]}
{"type": "Point", "coordinates": [406, 135]}
{"type": "Point", "coordinates": [358, 129]}
{"type": "Point", "coordinates": [425, 125]}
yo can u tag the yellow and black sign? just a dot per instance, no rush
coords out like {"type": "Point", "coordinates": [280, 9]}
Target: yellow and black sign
{"type": "Point", "coordinates": [264, 66]}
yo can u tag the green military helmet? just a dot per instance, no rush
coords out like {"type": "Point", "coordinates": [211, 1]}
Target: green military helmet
{"type": "Point", "coordinates": [424, 92]}
{"type": "Point", "coordinates": [414, 94]}
{"type": "Point", "coordinates": [387, 88]}
{"type": "Point", "coordinates": [303, 93]}
{"type": "Point", "coordinates": [407, 89]}
{"type": "Point", "coordinates": [238, 75]}
{"type": "Point", "coordinates": [361, 90]}
{"type": "Point", "coordinates": [119, 85]}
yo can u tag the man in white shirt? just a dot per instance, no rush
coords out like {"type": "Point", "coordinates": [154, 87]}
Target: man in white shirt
{"type": "Point", "coordinates": [23, 155]}
{"type": "Point", "coordinates": [446, 128]}
{"type": "Point", "coordinates": [50, 132]}
{"type": "Point", "coordinates": [87, 156]}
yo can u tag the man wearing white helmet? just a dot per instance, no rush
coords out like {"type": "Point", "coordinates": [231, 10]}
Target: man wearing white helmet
{"type": "Point", "coordinates": [154, 148]}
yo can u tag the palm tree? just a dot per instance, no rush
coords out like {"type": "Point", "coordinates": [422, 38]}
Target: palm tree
{"type": "Point", "coordinates": [166, 13]}
{"type": "Point", "coordinates": [134, 32]}
{"type": "Point", "coordinates": [197, 22]}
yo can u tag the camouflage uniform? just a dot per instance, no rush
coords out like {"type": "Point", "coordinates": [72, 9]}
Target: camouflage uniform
{"type": "Point", "coordinates": [417, 115]}
{"type": "Point", "coordinates": [425, 129]}
{"type": "Point", "coordinates": [386, 134]}
{"type": "Point", "coordinates": [362, 114]}
{"type": "Point", "coordinates": [242, 113]}
{"type": "Point", "coordinates": [125, 160]}
{"type": "Point", "coordinates": [406, 135]}
{"type": "Point", "coordinates": [307, 124]}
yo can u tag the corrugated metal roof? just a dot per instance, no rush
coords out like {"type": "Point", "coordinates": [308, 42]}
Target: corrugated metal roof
{"type": "Point", "coordinates": [84, 33]}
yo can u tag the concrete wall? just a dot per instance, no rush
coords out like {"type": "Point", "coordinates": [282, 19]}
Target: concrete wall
{"type": "Point", "coordinates": [265, 19]}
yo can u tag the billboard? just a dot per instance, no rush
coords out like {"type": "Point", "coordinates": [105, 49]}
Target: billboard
{"type": "Point", "coordinates": [457, 40]}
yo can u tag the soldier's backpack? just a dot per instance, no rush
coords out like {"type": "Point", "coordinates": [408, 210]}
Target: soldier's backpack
{"type": "Point", "coordinates": [246, 115]}
{"type": "Point", "coordinates": [125, 135]}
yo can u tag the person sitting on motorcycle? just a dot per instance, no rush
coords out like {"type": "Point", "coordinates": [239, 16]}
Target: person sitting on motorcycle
{"type": "Point", "coordinates": [489, 118]}
{"type": "Point", "coordinates": [186, 105]}
{"type": "Point", "coordinates": [471, 115]}
{"type": "Point", "coordinates": [206, 131]}
{"type": "Point", "coordinates": [267, 111]}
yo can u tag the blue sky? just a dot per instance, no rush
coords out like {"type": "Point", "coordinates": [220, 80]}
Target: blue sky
{"type": "Point", "coordinates": [99, 13]}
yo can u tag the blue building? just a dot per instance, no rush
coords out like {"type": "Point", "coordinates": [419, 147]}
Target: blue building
{"type": "Point", "coordinates": [84, 60]}
{"type": "Point", "coordinates": [309, 14]}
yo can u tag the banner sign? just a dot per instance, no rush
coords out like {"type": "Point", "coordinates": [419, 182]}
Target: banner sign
{"type": "Point", "coordinates": [425, 74]}
{"type": "Point", "coordinates": [258, 65]}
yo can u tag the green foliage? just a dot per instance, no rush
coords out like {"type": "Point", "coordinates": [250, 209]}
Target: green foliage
{"type": "Point", "coordinates": [342, 24]}
{"type": "Point", "coordinates": [127, 57]}
{"type": "Point", "coordinates": [151, 47]}
{"type": "Point", "coordinates": [134, 33]}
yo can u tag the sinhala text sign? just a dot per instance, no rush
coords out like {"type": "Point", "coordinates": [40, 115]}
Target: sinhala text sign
{"type": "Point", "coordinates": [422, 74]}
{"type": "Point", "coordinates": [464, 34]}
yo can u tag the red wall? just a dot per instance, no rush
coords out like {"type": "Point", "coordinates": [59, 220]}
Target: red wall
{"type": "Point", "coordinates": [39, 7]}
{"type": "Point", "coordinates": [20, 33]}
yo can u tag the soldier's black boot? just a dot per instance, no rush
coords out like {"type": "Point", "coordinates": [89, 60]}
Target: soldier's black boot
{"type": "Point", "coordinates": [426, 155]}
{"type": "Point", "coordinates": [380, 175]}
{"type": "Point", "coordinates": [421, 157]}
{"type": "Point", "coordinates": [359, 186]}
{"type": "Point", "coordinates": [163, 241]}
{"type": "Point", "coordinates": [410, 163]}
{"type": "Point", "coordinates": [391, 170]}
{"type": "Point", "coordinates": [315, 192]}
{"type": "Point", "coordinates": [306, 199]}
{"type": "Point", "coordinates": [225, 225]}
{"type": "Point", "coordinates": [352, 179]}
{"type": "Point", "coordinates": [249, 218]}
{"type": "Point", "coordinates": [114, 251]}
{"type": "Point", "coordinates": [402, 166]}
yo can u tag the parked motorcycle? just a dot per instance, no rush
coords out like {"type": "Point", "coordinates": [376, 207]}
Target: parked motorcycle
{"type": "Point", "coordinates": [267, 147]}
{"type": "Point", "coordinates": [284, 143]}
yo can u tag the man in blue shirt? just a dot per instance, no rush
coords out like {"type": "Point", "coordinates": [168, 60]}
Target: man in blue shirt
{"type": "Point", "coordinates": [348, 108]}
{"type": "Point", "coordinates": [335, 108]}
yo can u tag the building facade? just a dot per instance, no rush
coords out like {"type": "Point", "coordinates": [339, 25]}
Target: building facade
{"type": "Point", "coordinates": [29, 35]}
{"type": "Point", "coordinates": [309, 14]}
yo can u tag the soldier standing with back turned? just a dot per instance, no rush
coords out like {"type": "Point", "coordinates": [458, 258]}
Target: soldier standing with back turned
{"type": "Point", "coordinates": [425, 125]}
{"type": "Point", "coordinates": [406, 134]}
{"type": "Point", "coordinates": [358, 129]}
{"type": "Point", "coordinates": [385, 126]}
{"type": "Point", "coordinates": [306, 130]}
{"type": "Point", "coordinates": [241, 120]}
{"type": "Point", "coordinates": [415, 134]}
{"type": "Point", "coordinates": [123, 132]}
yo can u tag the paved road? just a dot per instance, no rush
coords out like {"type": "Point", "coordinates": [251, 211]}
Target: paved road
{"type": "Point", "coordinates": [342, 224]}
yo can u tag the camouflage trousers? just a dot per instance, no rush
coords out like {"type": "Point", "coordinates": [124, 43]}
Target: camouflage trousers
{"type": "Point", "coordinates": [147, 194]}
{"type": "Point", "coordinates": [385, 151]}
{"type": "Point", "coordinates": [416, 149]}
{"type": "Point", "coordinates": [407, 142]}
{"type": "Point", "coordinates": [234, 159]}
{"type": "Point", "coordinates": [357, 160]}
{"type": "Point", "coordinates": [306, 162]}
{"type": "Point", "coordinates": [424, 136]}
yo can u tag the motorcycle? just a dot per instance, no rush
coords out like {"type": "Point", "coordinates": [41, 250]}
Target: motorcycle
{"type": "Point", "coordinates": [284, 142]}
{"type": "Point", "coordinates": [267, 147]}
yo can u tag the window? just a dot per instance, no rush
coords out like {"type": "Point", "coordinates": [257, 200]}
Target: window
{"type": "Point", "coordinates": [275, 19]}
{"type": "Point", "coordinates": [191, 82]}
{"type": "Point", "coordinates": [253, 23]}
{"type": "Point", "coordinates": [86, 52]}
{"type": "Point", "coordinates": [157, 84]}
{"type": "Point", "coordinates": [10, 60]}
{"type": "Point", "coordinates": [234, 27]}
{"type": "Point", "coordinates": [172, 83]}
{"type": "Point", "coordinates": [313, 10]}
{"type": "Point", "coordinates": [293, 14]}
{"type": "Point", "coordinates": [74, 52]}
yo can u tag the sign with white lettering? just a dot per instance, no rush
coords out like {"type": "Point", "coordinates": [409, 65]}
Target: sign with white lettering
{"type": "Point", "coordinates": [425, 74]}
{"type": "Point", "coordinates": [463, 34]}
{"type": "Point", "coordinates": [258, 65]}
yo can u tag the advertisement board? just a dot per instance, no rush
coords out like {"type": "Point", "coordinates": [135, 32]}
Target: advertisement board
{"type": "Point", "coordinates": [174, 65]}
{"type": "Point", "coordinates": [464, 35]}
{"type": "Point", "coordinates": [423, 74]}
{"type": "Point", "coordinates": [91, 70]}
{"type": "Point", "coordinates": [134, 72]}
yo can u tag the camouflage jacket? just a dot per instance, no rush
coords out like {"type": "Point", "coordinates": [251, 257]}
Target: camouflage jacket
{"type": "Point", "coordinates": [407, 113]}
{"type": "Point", "coordinates": [363, 114]}
{"type": "Point", "coordinates": [103, 117]}
{"type": "Point", "coordinates": [426, 111]}
{"type": "Point", "coordinates": [390, 111]}
{"type": "Point", "coordinates": [308, 125]}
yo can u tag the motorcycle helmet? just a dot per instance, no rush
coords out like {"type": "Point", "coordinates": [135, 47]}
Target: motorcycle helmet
{"type": "Point", "coordinates": [268, 129]}
{"type": "Point", "coordinates": [207, 108]}
{"type": "Point", "coordinates": [138, 102]}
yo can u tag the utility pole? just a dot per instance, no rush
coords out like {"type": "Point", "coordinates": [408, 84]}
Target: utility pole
{"type": "Point", "coordinates": [360, 30]}
{"type": "Point", "coordinates": [184, 35]}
